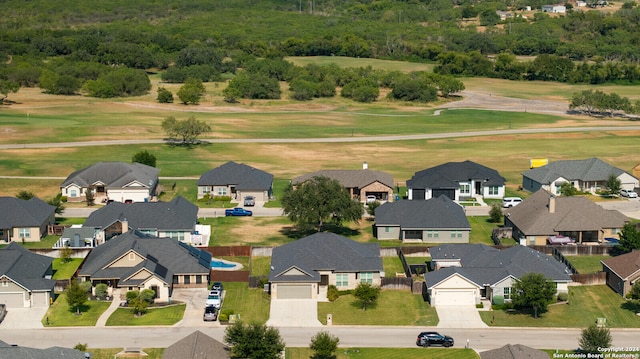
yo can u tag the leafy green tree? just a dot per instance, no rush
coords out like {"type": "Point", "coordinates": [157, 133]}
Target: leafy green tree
{"type": "Point", "coordinates": [101, 290]}
{"type": "Point", "coordinates": [535, 291]}
{"type": "Point", "coordinates": [56, 84]}
{"type": "Point", "coordinates": [26, 195]}
{"type": "Point", "coordinates": [253, 341]}
{"type": "Point", "coordinates": [629, 239]}
{"type": "Point", "coordinates": [324, 345]}
{"type": "Point", "coordinates": [449, 85]}
{"type": "Point", "coordinates": [57, 202]}
{"type": "Point", "coordinates": [409, 89]}
{"type": "Point", "coordinates": [567, 189]}
{"type": "Point", "coordinates": [76, 295]}
{"type": "Point", "coordinates": [118, 82]}
{"type": "Point", "coordinates": [318, 200]}
{"type": "Point", "coordinates": [90, 196]}
{"type": "Point", "coordinates": [634, 293]}
{"type": "Point", "coordinates": [191, 91]}
{"type": "Point", "coordinates": [495, 213]}
{"type": "Point", "coordinates": [188, 130]}
{"type": "Point", "coordinates": [137, 301]}
{"type": "Point", "coordinates": [489, 17]}
{"type": "Point", "coordinates": [362, 90]}
{"type": "Point", "coordinates": [371, 207]}
{"type": "Point", "coordinates": [164, 95]}
{"type": "Point", "coordinates": [65, 254]}
{"type": "Point", "coordinates": [613, 185]}
{"type": "Point", "coordinates": [594, 338]}
{"type": "Point", "coordinates": [144, 157]}
{"type": "Point", "coordinates": [366, 294]}
{"type": "Point", "coordinates": [7, 87]}
{"type": "Point", "coordinates": [253, 86]}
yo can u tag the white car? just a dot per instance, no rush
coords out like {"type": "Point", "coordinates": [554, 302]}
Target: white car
{"type": "Point", "coordinates": [629, 193]}
{"type": "Point", "coordinates": [508, 202]}
{"type": "Point", "coordinates": [371, 198]}
{"type": "Point", "coordinates": [214, 299]}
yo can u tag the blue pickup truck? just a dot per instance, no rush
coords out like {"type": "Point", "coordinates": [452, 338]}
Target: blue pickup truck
{"type": "Point", "coordinates": [238, 212]}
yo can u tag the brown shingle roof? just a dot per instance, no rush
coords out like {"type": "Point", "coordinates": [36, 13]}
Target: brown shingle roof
{"type": "Point", "coordinates": [625, 265]}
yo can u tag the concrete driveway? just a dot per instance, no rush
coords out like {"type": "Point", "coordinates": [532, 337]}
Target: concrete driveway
{"type": "Point", "coordinates": [294, 313]}
{"type": "Point", "coordinates": [194, 298]}
{"type": "Point", "coordinates": [23, 318]}
{"type": "Point", "coordinates": [459, 316]}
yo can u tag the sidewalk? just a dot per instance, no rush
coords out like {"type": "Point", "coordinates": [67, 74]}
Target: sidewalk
{"type": "Point", "coordinates": [115, 303]}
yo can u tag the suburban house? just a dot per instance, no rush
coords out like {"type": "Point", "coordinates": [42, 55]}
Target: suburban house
{"type": "Point", "coordinates": [135, 261]}
{"type": "Point", "coordinates": [558, 8]}
{"type": "Point", "coordinates": [9, 351]}
{"type": "Point", "coordinates": [175, 219]}
{"type": "Point", "coordinates": [622, 271]}
{"type": "Point", "coordinates": [78, 236]}
{"type": "Point", "coordinates": [587, 175]}
{"type": "Point", "coordinates": [543, 215]}
{"type": "Point", "coordinates": [196, 345]}
{"type": "Point", "coordinates": [514, 351]}
{"type": "Point", "coordinates": [464, 274]}
{"type": "Point", "coordinates": [236, 180]}
{"type": "Point", "coordinates": [25, 220]}
{"type": "Point", "coordinates": [305, 268]}
{"type": "Point", "coordinates": [456, 180]}
{"type": "Point", "coordinates": [360, 183]}
{"type": "Point", "coordinates": [25, 278]}
{"type": "Point", "coordinates": [436, 220]}
{"type": "Point", "coordinates": [112, 181]}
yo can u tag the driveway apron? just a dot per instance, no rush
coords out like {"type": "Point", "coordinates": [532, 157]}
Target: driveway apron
{"type": "Point", "coordinates": [294, 313]}
{"type": "Point", "coordinates": [459, 317]}
{"type": "Point", "coordinates": [23, 318]}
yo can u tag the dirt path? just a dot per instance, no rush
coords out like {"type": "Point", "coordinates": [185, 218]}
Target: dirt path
{"type": "Point", "coordinates": [487, 101]}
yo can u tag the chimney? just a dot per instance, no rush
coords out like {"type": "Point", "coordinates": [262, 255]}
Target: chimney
{"type": "Point", "coordinates": [125, 225]}
{"type": "Point", "coordinates": [365, 165]}
{"type": "Point", "coordinates": [552, 204]}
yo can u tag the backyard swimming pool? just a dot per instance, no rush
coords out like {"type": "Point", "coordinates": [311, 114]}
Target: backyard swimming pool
{"type": "Point", "coordinates": [221, 264]}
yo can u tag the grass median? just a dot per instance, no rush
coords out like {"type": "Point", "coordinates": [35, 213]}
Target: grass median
{"type": "Point", "coordinates": [388, 353]}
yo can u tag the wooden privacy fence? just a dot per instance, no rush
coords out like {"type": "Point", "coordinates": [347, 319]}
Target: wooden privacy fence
{"type": "Point", "coordinates": [229, 276]}
{"type": "Point", "coordinates": [229, 251]}
{"type": "Point", "coordinates": [590, 279]}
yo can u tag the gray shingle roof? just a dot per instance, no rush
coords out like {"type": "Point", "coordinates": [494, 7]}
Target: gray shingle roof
{"type": "Point", "coordinates": [26, 268]}
{"type": "Point", "coordinates": [486, 265]}
{"type": "Point", "coordinates": [574, 213]}
{"type": "Point", "coordinates": [450, 174]}
{"type": "Point", "coordinates": [196, 345]}
{"type": "Point", "coordinates": [349, 178]}
{"type": "Point", "coordinates": [15, 212]}
{"type": "Point", "coordinates": [435, 213]}
{"type": "Point", "coordinates": [10, 352]}
{"type": "Point", "coordinates": [114, 175]}
{"type": "Point", "coordinates": [591, 169]}
{"type": "Point", "coordinates": [324, 251]}
{"type": "Point", "coordinates": [178, 214]}
{"type": "Point", "coordinates": [511, 351]}
{"type": "Point", "coordinates": [165, 258]}
{"type": "Point", "coordinates": [244, 177]}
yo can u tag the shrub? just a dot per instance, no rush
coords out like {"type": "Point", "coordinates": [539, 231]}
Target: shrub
{"type": "Point", "coordinates": [228, 312]}
{"type": "Point", "coordinates": [64, 199]}
{"type": "Point", "coordinates": [86, 286]}
{"type": "Point", "coordinates": [479, 306]}
{"type": "Point", "coordinates": [222, 198]}
{"type": "Point", "coordinates": [223, 317]}
{"type": "Point", "coordinates": [562, 297]}
{"type": "Point", "coordinates": [101, 290]}
{"type": "Point", "coordinates": [147, 295]}
{"type": "Point", "coordinates": [131, 295]}
{"type": "Point", "coordinates": [498, 300]}
{"type": "Point", "coordinates": [333, 293]}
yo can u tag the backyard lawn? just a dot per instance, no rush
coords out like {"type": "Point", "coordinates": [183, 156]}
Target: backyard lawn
{"type": "Point", "coordinates": [65, 270]}
{"type": "Point", "coordinates": [60, 315]}
{"type": "Point", "coordinates": [394, 307]}
{"type": "Point", "coordinates": [169, 315]}
{"type": "Point", "coordinates": [388, 353]}
{"type": "Point", "coordinates": [586, 304]}
{"type": "Point", "coordinates": [587, 264]}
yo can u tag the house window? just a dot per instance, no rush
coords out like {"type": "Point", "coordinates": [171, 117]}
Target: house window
{"type": "Point", "coordinates": [1, 233]}
{"type": "Point", "coordinates": [507, 292]}
{"type": "Point", "coordinates": [149, 232]}
{"type": "Point", "coordinates": [465, 188]}
{"type": "Point", "coordinates": [386, 230]}
{"type": "Point", "coordinates": [613, 231]}
{"type": "Point", "coordinates": [24, 232]}
{"type": "Point", "coordinates": [187, 279]}
{"type": "Point", "coordinates": [493, 190]}
{"type": "Point", "coordinates": [73, 193]}
{"type": "Point", "coordinates": [175, 235]}
{"type": "Point", "coordinates": [456, 234]}
{"type": "Point", "coordinates": [432, 234]}
{"type": "Point", "coordinates": [222, 191]}
{"type": "Point", "coordinates": [198, 279]}
{"type": "Point", "coordinates": [5, 283]}
{"type": "Point", "coordinates": [342, 280]}
{"type": "Point", "coordinates": [366, 277]}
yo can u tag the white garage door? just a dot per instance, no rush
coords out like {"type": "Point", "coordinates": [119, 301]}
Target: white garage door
{"type": "Point", "coordinates": [12, 300]}
{"type": "Point", "coordinates": [40, 299]}
{"type": "Point", "coordinates": [294, 291]}
{"type": "Point", "coordinates": [455, 297]}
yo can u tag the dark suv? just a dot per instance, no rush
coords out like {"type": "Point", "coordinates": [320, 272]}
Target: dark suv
{"type": "Point", "coordinates": [426, 339]}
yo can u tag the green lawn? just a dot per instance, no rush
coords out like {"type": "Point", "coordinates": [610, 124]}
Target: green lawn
{"type": "Point", "coordinates": [587, 264]}
{"type": "Point", "coordinates": [586, 304]}
{"type": "Point", "coordinates": [392, 265]}
{"type": "Point", "coordinates": [388, 353]}
{"type": "Point", "coordinates": [110, 353]}
{"type": "Point", "coordinates": [60, 315]}
{"type": "Point", "coordinates": [169, 315]}
{"type": "Point", "coordinates": [394, 307]}
{"type": "Point", "coordinates": [46, 242]}
{"type": "Point", "coordinates": [252, 305]}
{"type": "Point", "coordinates": [481, 230]}
{"type": "Point", "coordinates": [65, 270]}
{"type": "Point", "coordinates": [260, 265]}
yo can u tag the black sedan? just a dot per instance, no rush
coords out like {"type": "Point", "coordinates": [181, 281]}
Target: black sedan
{"type": "Point", "coordinates": [426, 339]}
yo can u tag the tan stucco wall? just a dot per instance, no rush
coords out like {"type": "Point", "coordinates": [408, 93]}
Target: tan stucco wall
{"type": "Point", "coordinates": [127, 261]}
{"type": "Point", "coordinates": [35, 235]}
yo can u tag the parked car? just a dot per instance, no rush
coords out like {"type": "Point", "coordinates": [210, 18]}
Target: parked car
{"type": "Point", "coordinates": [629, 193]}
{"type": "Point", "coordinates": [426, 339]}
{"type": "Point", "coordinates": [509, 202]}
{"type": "Point", "coordinates": [214, 299]}
{"type": "Point", "coordinates": [249, 201]}
{"type": "Point", "coordinates": [210, 314]}
{"type": "Point", "coordinates": [371, 198]}
{"type": "Point", "coordinates": [217, 286]}
{"type": "Point", "coordinates": [238, 211]}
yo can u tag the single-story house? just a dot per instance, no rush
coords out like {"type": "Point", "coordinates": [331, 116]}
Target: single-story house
{"type": "Point", "coordinates": [558, 8]}
{"type": "Point", "coordinates": [135, 261]}
{"type": "Point", "coordinates": [25, 220]}
{"type": "Point", "coordinates": [196, 345]}
{"type": "Point", "coordinates": [236, 180]}
{"type": "Point", "coordinates": [25, 278]}
{"type": "Point", "coordinates": [622, 271]}
{"type": "Point", "coordinates": [436, 220]}
{"type": "Point", "coordinates": [360, 183]}
{"type": "Point", "coordinates": [464, 274]}
{"type": "Point", "coordinates": [8, 351]}
{"type": "Point", "coordinates": [78, 236]}
{"type": "Point", "coordinates": [587, 175]}
{"type": "Point", "coordinates": [174, 219]}
{"type": "Point", "coordinates": [544, 215]}
{"type": "Point", "coordinates": [514, 351]}
{"type": "Point", "coordinates": [456, 180]}
{"type": "Point", "coordinates": [304, 269]}
{"type": "Point", "coordinates": [112, 181]}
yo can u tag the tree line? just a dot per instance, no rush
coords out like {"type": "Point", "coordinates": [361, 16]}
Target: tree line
{"type": "Point", "coordinates": [598, 103]}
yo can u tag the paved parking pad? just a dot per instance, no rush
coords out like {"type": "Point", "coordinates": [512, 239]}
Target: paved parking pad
{"type": "Point", "coordinates": [195, 299]}
{"type": "Point", "coordinates": [23, 318]}
{"type": "Point", "coordinates": [294, 313]}
{"type": "Point", "coordinates": [459, 316]}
